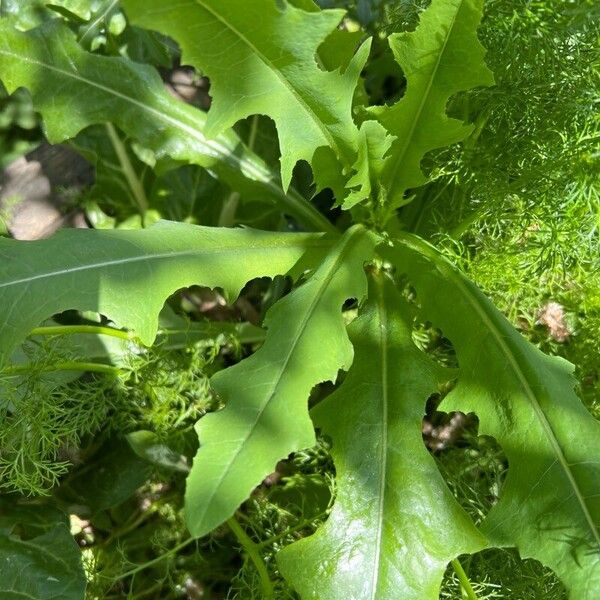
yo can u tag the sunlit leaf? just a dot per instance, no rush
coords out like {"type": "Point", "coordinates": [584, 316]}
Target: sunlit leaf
{"type": "Point", "coordinates": [394, 526]}
{"type": "Point", "coordinates": [266, 395]}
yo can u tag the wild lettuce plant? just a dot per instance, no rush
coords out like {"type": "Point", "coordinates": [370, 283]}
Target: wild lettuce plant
{"type": "Point", "coordinates": [394, 526]}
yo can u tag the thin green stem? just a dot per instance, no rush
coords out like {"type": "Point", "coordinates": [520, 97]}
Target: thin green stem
{"type": "Point", "coordinates": [155, 561]}
{"type": "Point", "coordinates": [89, 329]}
{"type": "Point", "coordinates": [84, 367]}
{"type": "Point", "coordinates": [306, 212]}
{"type": "Point", "coordinates": [291, 530]}
{"type": "Point", "coordinates": [133, 181]}
{"type": "Point", "coordinates": [230, 206]}
{"type": "Point", "coordinates": [464, 580]}
{"type": "Point", "coordinates": [252, 550]}
{"type": "Point", "coordinates": [253, 132]}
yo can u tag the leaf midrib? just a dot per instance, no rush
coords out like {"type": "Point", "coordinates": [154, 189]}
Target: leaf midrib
{"type": "Point", "coordinates": [384, 347]}
{"type": "Point", "coordinates": [159, 256]}
{"type": "Point", "coordinates": [424, 100]}
{"type": "Point", "coordinates": [213, 148]}
{"type": "Point", "coordinates": [273, 390]}
{"type": "Point", "coordinates": [92, 24]}
{"type": "Point", "coordinates": [278, 74]}
{"type": "Point", "coordinates": [450, 273]}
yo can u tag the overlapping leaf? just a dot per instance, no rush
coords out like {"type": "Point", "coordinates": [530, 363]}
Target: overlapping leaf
{"type": "Point", "coordinates": [395, 525]}
{"type": "Point", "coordinates": [550, 504]}
{"type": "Point", "coordinates": [272, 48]}
{"type": "Point", "coordinates": [73, 89]}
{"type": "Point", "coordinates": [266, 395]}
{"type": "Point", "coordinates": [127, 275]}
{"type": "Point", "coordinates": [365, 183]}
{"type": "Point", "coordinates": [440, 58]}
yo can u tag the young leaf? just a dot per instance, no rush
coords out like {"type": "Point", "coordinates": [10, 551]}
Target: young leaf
{"type": "Point", "coordinates": [374, 143]}
{"type": "Point", "coordinates": [39, 559]}
{"type": "Point", "coordinates": [74, 89]}
{"type": "Point", "coordinates": [128, 275]}
{"type": "Point", "coordinates": [266, 395]}
{"type": "Point", "coordinates": [440, 58]}
{"type": "Point", "coordinates": [395, 525]}
{"type": "Point", "coordinates": [261, 59]}
{"type": "Point", "coordinates": [550, 503]}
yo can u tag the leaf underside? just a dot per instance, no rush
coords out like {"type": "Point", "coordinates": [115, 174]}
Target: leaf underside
{"type": "Point", "coordinates": [104, 271]}
{"type": "Point", "coordinates": [395, 525]}
{"type": "Point", "coordinates": [266, 395]}
{"type": "Point", "coordinates": [549, 507]}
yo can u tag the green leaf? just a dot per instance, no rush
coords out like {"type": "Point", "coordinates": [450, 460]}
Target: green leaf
{"type": "Point", "coordinates": [271, 48]}
{"type": "Point", "coordinates": [440, 58]}
{"type": "Point", "coordinates": [63, 79]}
{"type": "Point", "coordinates": [127, 275]}
{"type": "Point", "coordinates": [39, 559]}
{"type": "Point", "coordinates": [373, 146]}
{"type": "Point", "coordinates": [549, 507]}
{"type": "Point", "coordinates": [121, 178]}
{"type": "Point", "coordinates": [149, 446]}
{"type": "Point", "coordinates": [266, 395]}
{"type": "Point", "coordinates": [395, 525]}
{"type": "Point", "coordinates": [26, 14]}
{"type": "Point", "coordinates": [106, 480]}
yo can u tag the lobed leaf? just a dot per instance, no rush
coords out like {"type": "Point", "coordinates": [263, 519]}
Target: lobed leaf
{"type": "Point", "coordinates": [266, 395]}
{"type": "Point", "coordinates": [550, 503]}
{"type": "Point", "coordinates": [74, 89]}
{"type": "Point", "coordinates": [374, 144]}
{"type": "Point", "coordinates": [110, 271]}
{"type": "Point", "coordinates": [261, 58]}
{"type": "Point", "coordinates": [440, 58]}
{"type": "Point", "coordinates": [395, 525]}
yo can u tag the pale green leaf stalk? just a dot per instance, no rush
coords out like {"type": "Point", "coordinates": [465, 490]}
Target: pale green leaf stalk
{"type": "Point", "coordinates": [440, 58]}
{"type": "Point", "coordinates": [273, 47]}
{"type": "Point", "coordinates": [266, 395]}
{"type": "Point", "coordinates": [73, 89]}
{"type": "Point", "coordinates": [395, 525]}
{"type": "Point", "coordinates": [128, 275]}
{"type": "Point", "coordinates": [549, 507]}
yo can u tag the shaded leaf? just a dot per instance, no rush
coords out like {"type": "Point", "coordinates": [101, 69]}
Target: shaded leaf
{"type": "Point", "coordinates": [108, 479]}
{"type": "Point", "coordinates": [266, 395]}
{"type": "Point", "coordinates": [127, 275]}
{"type": "Point", "coordinates": [39, 559]}
{"type": "Point", "coordinates": [122, 179]}
{"type": "Point", "coordinates": [150, 447]}
{"type": "Point", "coordinates": [549, 507]}
{"type": "Point", "coordinates": [394, 525]}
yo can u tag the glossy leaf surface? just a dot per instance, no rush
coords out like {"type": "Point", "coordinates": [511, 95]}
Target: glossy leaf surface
{"type": "Point", "coordinates": [266, 395]}
{"type": "Point", "coordinates": [103, 271]}
{"type": "Point", "coordinates": [549, 507]}
{"type": "Point", "coordinates": [395, 525]}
